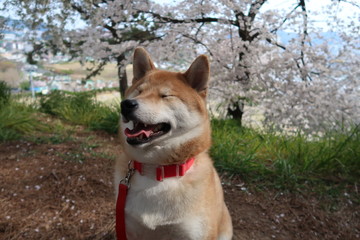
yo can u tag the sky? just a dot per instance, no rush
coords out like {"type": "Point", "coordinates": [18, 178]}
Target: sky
{"type": "Point", "coordinates": [344, 10]}
{"type": "Point", "coordinates": [315, 9]}
{"type": "Point", "coordinates": [313, 6]}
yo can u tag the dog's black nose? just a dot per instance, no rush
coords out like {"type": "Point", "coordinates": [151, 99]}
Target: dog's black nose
{"type": "Point", "coordinates": [128, 106]}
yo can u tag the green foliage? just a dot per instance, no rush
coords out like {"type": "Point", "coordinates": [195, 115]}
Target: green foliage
{"type": "Point", "coordinates": [52, 139]}
{"type": "Point", "coordinates": [66, 71]}
{"type": "Point", "coordinates": [109, 121]}
{"type": "Point", "coordinates": [57, 133]}
{"type": "Point", "coordinates": [5, 93]}
{"type": "Point", "coordinates": [17, 120]}
{"type": "Point", "coordinates": [49, 103]}
{"type": "Point", "coordinates": [286, 161]}
{"type": "Point", "coordinates": [267, 158]}
{"type": "Point", "coordinates": [25, 85]}
{"type": "Point", "coordinates": [81, 108]}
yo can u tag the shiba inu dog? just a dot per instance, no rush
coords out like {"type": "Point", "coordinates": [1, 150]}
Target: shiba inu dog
{"type": "Point", "coordinates": [174, 191]}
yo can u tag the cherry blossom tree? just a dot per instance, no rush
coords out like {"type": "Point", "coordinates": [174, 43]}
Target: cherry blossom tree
{"type": "Point", "coordinates": [92, 31]}
{"type": "Point", "coordinates": [301, 82]}
{"type": "Point", "coordinates": [279, 60]}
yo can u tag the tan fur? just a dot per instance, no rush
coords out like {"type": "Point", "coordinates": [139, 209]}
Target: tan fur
{"type": "Point", "coordinates": [187, 207]}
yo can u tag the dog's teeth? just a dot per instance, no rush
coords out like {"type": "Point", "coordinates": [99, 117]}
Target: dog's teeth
{"type": "Point", "coordinates": [157, 128]}
{"type": "Point", "coordinates": [145, 125]}
{"type": "Point", "coordinates": [131, 125]}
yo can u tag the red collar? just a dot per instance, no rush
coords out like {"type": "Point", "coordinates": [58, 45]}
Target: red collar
{"type": "Point", "coordinates": [167, 171]}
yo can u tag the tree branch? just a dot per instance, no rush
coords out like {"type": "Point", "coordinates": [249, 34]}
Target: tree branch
{"type": "Point", "coordinates": [350, 2]}
{"type": "Point", "coordinates": [302, 73]}
{"type": "Point", "coordinates": [163, 19]}
{"type": "Point", "coordinates": [285, 19]}
{"type": "Point", "coordinates": [95, 70]}
{"type": "Point", "coordinates": [197, 41]}
{"type": "Point", "coordinates": [254, 9]}
{"type": "Point", "coordinates": [303, 39]}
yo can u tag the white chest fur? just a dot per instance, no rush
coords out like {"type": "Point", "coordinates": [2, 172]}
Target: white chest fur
{"type": "Point", "coordinates": [161, 210]}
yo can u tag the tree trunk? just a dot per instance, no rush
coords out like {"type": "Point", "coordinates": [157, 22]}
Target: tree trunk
{"type": "Point", "coordinates": [122, 80]}
{"type": "Point", "coordinates": [236, 111]}
{"type": "Point", "coordinates": [122, 74]}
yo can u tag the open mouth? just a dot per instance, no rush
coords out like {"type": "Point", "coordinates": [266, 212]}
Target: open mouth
{"type": "Point", "coordinates": [143, 133]}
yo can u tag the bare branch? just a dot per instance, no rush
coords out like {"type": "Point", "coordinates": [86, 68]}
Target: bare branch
{"type": "Point", "coordinates": [304, 75]}
{"type": "Point", "coordinates": [254, 9]}
{"type": "Point", "coordinates": [95, 70]}
{"type": "Point", "coordinates": [275, 43]}
{"type": "Point", "coordinates": [197, 41]}
{"type": "Point", "coordinates": [305, 34]}
{"type": "Point", "coordinates": [285, 19]}
{"type": "Point", "coordinates": [85, 15]}
{"type": "Point", "coordinates": [350, 2]}
{"type": "Point", "coordinates": [164, 19]}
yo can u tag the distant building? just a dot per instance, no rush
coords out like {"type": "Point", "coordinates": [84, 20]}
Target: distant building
{"type": "Point", "coordinates": [89, 85]}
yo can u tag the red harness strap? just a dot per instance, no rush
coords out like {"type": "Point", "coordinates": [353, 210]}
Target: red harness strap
{"type": "Point", "coordinates": [120, 212]}
{"type": "Point", "coordinates": [162, 172]}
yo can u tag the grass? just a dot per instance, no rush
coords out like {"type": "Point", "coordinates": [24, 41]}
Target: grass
{"type": "Point", "coordinates": [82, 109]}
{"type": "Point", "coordinates": [16, 119]}
{"type": "Point", "coordinates": [262, 158]}
{"type": "Point", "coordinates": [56, 133]}
{"type": "Point", "coordinates": [286, 161]}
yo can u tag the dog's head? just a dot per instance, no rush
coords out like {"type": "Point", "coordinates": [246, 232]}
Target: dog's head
{"type": "Point", "coordinates": [164, 116]}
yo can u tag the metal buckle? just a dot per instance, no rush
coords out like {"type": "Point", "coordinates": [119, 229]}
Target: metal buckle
{"type": "Point", "coordinates": [129, 174]}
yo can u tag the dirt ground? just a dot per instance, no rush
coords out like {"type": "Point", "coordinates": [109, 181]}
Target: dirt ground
{"type": "Point", "coordinates": [62, 188]}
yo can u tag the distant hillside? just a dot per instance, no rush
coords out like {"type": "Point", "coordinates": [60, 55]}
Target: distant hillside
{"type": "Point", "coordinates": [77, 71]}
{"type": "Point", "coordinates": [18, 25]}
{"type": "Point", "coordinates": [10, 72]}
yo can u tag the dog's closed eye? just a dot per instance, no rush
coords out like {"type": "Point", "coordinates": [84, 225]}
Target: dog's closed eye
{"type": "Point", "coordinates": [167, 95]}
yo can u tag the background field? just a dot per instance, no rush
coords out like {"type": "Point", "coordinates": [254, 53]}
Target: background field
{"type": "Point", "coordinates": [10, 72]}
{"type": "Point", "coordinates": [77, 71]}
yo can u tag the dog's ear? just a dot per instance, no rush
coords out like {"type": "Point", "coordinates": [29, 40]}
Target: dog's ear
{"type": "Point", "coordinates": [198, 73]}
{"type": "Point", "coordinates": [142, 64]}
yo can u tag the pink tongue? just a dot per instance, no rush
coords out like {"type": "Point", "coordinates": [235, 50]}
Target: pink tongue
{"type": "Point", "coordinates": [129, 133]}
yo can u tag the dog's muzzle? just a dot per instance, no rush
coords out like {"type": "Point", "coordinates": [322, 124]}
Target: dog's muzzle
{"type": "Point", "coordinates": [140, 132]}
{"type": "Point", "coordinates": [128, 107]}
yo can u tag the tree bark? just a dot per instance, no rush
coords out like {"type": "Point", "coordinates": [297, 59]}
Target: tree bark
{"type": "Point", "coordinates": [122, 80]}
{"type": "Point", "coordinates": [236, 111]}
{"type": "Point", "coordinates": [122, 75]}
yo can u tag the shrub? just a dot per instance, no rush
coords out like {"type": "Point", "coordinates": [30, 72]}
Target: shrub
{"type": "Point", "coordinates": [286, 161]}
{"type": "Point", "coordinates": [81, 108]}
{"type": "Point", "coordinates": [49, 103]}
{"type": "Point", "coordinates": [109, 121]}
{"type": "Point", "coordinates": [5, 93]}
{"type": "Point", "coordinates": [25, 85]}
{"type": "Point", "coordinates": [17, 119]}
